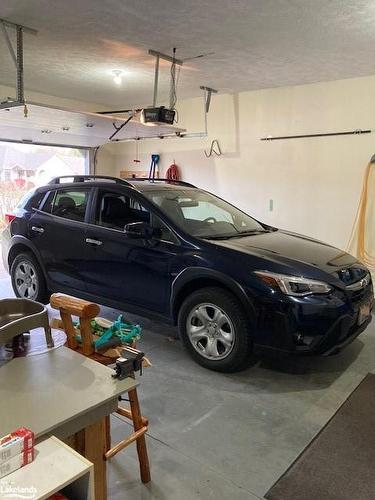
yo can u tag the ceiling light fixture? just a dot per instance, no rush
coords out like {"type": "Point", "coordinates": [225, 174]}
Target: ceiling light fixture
{"type": "Point", "coordinates": [117, 76]}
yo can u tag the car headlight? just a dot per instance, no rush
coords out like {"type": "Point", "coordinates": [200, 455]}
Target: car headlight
{"type": "Point", "coordinates": [293, 285]}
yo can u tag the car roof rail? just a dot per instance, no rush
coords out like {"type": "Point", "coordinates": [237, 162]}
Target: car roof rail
{"type": "Point", "coordinates": [86, 178]}
{"type": "Point", "coordinates": [167, 181]}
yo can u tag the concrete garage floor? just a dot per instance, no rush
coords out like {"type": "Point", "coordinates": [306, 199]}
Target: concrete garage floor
{"type": "Point", "coordinates": [227, 436]}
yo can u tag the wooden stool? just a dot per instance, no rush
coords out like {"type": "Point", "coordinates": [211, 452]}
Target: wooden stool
{"type": "Point", "coordinates": [86, 311]}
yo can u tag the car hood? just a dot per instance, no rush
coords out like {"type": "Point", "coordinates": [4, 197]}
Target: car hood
{"type": "Point", "coordinates": [283, 251]}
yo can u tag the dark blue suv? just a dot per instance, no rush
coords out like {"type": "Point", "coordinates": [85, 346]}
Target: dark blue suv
{"type": "Point", "coordinates": [168, 250]}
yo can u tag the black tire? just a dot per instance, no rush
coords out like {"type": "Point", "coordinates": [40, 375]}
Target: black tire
{"type": "Point", "coordinates": [40, 292]}
{"type": "Point", "coordinates": [239, 356]}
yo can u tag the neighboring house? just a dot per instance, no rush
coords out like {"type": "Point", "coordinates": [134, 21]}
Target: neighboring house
{"type": "Point", "coordinates": [24, 166]}
{"type": "Point", "coordinates": [31, 165]}
{"type": "Point", "coordinates": [52, 168]}
{"type": "Point", "coordinates": [16, 173]}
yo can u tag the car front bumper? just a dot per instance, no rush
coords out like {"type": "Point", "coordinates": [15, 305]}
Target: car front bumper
{"type": "Point", "coordinates": [319, 325]}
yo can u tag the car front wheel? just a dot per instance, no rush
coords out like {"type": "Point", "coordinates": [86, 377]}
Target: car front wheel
{"type": "Point", "coordinates": [215, 330]}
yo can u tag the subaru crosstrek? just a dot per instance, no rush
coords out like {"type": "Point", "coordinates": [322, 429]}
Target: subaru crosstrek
{"type": "Point", "coordinates": [170, 251]}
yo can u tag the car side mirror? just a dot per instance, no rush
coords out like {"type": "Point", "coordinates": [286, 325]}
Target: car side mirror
{"type": "Point", "coordinates": [141, 230]}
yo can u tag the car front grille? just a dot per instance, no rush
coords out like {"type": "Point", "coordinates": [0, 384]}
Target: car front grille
{"type": "Point", "coordinates": [357, 281]}
{"type": "Point", "coordinates": [362, 291]}
{"type": "Point", "coordinates": [359, 295]}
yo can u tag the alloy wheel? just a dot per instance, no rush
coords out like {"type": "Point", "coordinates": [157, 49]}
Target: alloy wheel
{"type": "Point", "coordinates": [210, 331]}
{"type": "Point", "coordinates": [26, 280]}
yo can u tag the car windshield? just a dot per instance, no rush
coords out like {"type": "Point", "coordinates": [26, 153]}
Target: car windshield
{"type": "Point", "coordinates": [202, 214]}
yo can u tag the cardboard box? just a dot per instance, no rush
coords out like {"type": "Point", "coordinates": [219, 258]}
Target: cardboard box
{"type": "Point", "coordinates": [24, 458]}
{"type": "Point", "coordinates": [15, 443]}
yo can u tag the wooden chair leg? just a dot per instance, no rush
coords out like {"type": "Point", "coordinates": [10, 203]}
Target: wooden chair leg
{"type": "Point", "coordinates": [69, 329]}
{"type": "Point", "coordinates": [140, 428]}
{"type": "Point", "coordinates": [125, 412]}
{"type": "Point", "coordinates": [141, 441]}
{"type": "Point", "coordinates": [86, 336]}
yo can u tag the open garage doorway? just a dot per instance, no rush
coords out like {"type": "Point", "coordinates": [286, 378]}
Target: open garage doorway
{"type": "Point", "coordinates": [25, 166]}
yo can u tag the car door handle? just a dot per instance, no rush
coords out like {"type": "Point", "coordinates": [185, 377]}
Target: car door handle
{"type": "Point", "coordinates": [91, 241]}
{"type": "Point", "coordinates": [37, 229]}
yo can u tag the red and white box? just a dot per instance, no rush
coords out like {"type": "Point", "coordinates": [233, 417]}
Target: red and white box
{"type": "Point", "coordinates": [16, 462]}
{"type": "Point", "coordinates": [17, 442]}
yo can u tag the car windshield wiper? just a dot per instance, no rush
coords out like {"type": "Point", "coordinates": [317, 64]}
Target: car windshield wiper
{"type": "Point", "coordinates": [253, 231]}
{"type": "Point", "coordinates": [218, 237]}
{"type": "Point", "coordinates": [235, 235]}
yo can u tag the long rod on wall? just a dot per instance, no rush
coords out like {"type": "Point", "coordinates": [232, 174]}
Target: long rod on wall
{"type": "Point", "coordinates": [304, 136]}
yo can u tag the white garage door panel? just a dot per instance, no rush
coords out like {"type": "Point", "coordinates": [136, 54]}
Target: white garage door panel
{"type": "Point", "coordinates": [72, 128]}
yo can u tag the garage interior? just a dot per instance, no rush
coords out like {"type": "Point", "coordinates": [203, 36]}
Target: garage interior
{"type": "Point", "coordinates": [274, 112]}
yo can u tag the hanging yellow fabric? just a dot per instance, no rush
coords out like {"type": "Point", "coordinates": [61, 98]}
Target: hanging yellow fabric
{"type": "Point", "coordinates": [362, 240]}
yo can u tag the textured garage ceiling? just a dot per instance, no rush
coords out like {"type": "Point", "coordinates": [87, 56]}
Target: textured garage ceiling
{"type": "Point", "coordinates": [256, 44]}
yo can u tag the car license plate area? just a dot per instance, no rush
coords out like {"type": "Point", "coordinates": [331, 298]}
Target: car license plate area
{"type": "Point", "coordinates": [364, 312]}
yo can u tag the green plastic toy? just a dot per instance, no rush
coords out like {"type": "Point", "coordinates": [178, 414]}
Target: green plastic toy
{"type": "Point", "coordinates": [126, 332]}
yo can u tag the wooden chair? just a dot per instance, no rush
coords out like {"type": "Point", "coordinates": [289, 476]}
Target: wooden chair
{"type": "Point", "coordinates": [86, 311]}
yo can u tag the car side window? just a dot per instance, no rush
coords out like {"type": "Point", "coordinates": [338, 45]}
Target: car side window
{"type": "Point", "coordinates": [67, 203]}
{"type": "Point", "coordinates": [47, 205]}
{"type": "Point", "coordinates": [35, 201]}
{"type": "Point", "coordinates": [115, 210]}
{"type": "Point", "coordinates": [31, 200]}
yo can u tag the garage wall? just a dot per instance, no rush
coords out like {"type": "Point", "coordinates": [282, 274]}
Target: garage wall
{"type": "Point", "coordinates": [315, 183]}
{"type": "Point", "coordinates": [105, 161]}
